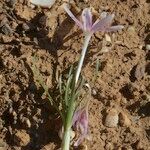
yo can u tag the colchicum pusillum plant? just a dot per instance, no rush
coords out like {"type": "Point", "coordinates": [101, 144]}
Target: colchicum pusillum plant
{"type": "Point", "coordinates": [72, 114]}
{"type": "Point", "coordinates": [79, 117]}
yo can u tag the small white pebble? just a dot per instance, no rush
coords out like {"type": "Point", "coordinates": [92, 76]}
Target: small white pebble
{"type": "Point", "coordinates": [32, 6]}
{"type": "Point", "coordinates": [107, 37]}
{"type": "Point", "coordinates": [43, 3]}
{"type": "Point", "coordinates": [105, 49]}
{"type": "Point", "coordinates": [135, 119]}
{"type": "Point", "coordinates": [131, 29]}
{"type": "Point", "coordinates": [10, 110]}
{"type": "Point", "coordinates": [14, 113]}
{"type": "Point", "coordinates": [94, 92]}
{"type": "Point", "coordinates": [147, 46]}
{"type": "Point", "coordinates": [28, 123]}
{"type": "Point", "coordinates": [112, 118]}
{"type": "Point", "coordinates": [86, 1]}
{"type": "Point", "coordinates": [61, 132]}
{"type": "Point", "coordinates": [141, 47]}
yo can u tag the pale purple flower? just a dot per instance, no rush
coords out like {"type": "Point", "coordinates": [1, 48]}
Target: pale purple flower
{"type": "Point", "coordinates": [86, 24]}
{"type": "Point", "coordinates": [80, 123]}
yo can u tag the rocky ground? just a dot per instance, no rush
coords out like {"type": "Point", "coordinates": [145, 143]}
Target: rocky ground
{"type": "Point", "coordinates": [119, 110]}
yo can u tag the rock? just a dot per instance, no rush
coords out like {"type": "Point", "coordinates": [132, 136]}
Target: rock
{"type": "Point", "coordinates": [3, 20]}
{"type": "Point", "coordinates": [7, 29]}
{"type": "Point", "coordinates": [124, 120]}
{"type": "Point", "coordinates": [24, 13]}
{"type": "Point", "coordinates": [49, 146]}
{"type": "Point", "coordinates": [3, 145]}
{"type": "Point", "coordinates": [112, 118]}
{"type": "Point", "coordinates": [139, 71]}
{"type": "Point", "coordinates": [11, 3]}
{"type": "Point", "coordinates": [14, 113]}
{"type": "Point", "coordinates": [42, 20]}
{"type": "Point", "coordinates": [105, 49]}
{"type": "Point", "coordinates": [61, 132]}
{"type": "Point", "coordinates": [21, 138]}
{"type": "Point", "coordinates": [109, 146]}
{"type": "Point", "coordinates": [43, 3]}
{"type": "Point", "coordinates": [28, 123]}
{"type": "Point", "coordinates": [10, 129]}
{"type": "Point", "coordinates": [94, 92]}
{"type": "Point", "coordinates": [1, 124]}
{"type": "Point", "coordinates": [107, 38]}
{"type": "Point", "coordinates": [147, 46]}
{"type": "Point", "coordinates": [25, 27]}
{"type": "Point", "coordinates": [25, 121]}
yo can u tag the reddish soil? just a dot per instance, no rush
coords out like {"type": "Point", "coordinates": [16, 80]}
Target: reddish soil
{"type": "Point", "coordinates": [119, 110]}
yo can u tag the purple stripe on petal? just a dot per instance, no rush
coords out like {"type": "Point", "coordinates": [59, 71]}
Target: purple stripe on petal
{"type": "Point", "coordinates": [72, 16]}
{"type": "Point", "coordinates": [103, 24]}
{"type": "Point", "coordinates": [87, 19]}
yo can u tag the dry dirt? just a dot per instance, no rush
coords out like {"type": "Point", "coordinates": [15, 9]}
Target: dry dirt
{"type": "Point", "coordinates": [119, 110]}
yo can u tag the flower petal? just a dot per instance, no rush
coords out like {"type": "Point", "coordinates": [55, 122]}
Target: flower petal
{"type": "Point", "coordinates": [72, 16]}
{"type": "Point", "coordinates": [115, 28]}
{"type": "Point", "coordinates": [87, 19]}
{"type": "Point", "coordinates": [79, 141]}
{"type": "Point", "coordinates": [80, 123]}
{"type": "Point", "coordinates": [103, 24]}
{"type": "Point", "coordinates": [76, 117]}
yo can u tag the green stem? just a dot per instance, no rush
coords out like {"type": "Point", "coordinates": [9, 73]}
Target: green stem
{"type": "Point", "coordinates": [66, 140]}
{"type": "Point", "coordinates": [68, 123]}
{"type": "Point", "coordinates": [84, 49]}
{"type": "Point", "coordinates": [71, 106]}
